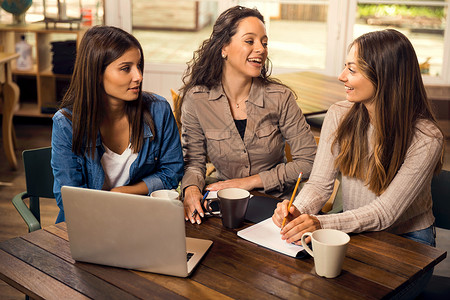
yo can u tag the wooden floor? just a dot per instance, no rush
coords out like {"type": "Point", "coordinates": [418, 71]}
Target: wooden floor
{"type": "Point", "coordinates": [29, 135]}
{"type": "Point", "coordinates": [33, 134]}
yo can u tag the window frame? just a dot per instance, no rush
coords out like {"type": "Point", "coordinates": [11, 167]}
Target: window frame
{"type": "Point", "coordinates": [340, 23]}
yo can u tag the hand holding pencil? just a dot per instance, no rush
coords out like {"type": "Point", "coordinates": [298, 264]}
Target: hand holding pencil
{"type": "Point", "coordinates": [292, 198]}
{"type": "Point", "coordinates": [298, 223]}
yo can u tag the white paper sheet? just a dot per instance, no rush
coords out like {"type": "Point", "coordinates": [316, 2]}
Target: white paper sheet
{"type": "Point", "coordinates": [267, 234]}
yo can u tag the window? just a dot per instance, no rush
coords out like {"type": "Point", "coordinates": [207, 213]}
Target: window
{"type": "Point", "coordinates": [170, 31]}
{"type": "Point", "coordinates": [303, 34]}
{"type": "Point", "coordinates": [92, 11]}
{"type": "Point", "coordinates": [423, 22]}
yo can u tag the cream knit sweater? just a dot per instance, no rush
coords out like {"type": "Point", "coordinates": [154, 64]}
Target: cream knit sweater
{"type": "Point", "coordinates": [405, 206]}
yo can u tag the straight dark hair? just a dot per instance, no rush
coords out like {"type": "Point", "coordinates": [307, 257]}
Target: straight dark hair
{"type": "Point", "coordinates": [386, 58]}
{"type": "Point", "coordinates": [99, 47]}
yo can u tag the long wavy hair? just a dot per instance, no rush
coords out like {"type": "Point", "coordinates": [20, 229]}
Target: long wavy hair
{"type": "Point", "coordinates": [389, 61]}
{"type": "Point", "coordinates": [206, 66]}
{"type": "Point", "coordinates": [99, 47]}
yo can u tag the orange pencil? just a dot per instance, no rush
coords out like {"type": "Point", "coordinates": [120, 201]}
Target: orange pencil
{"type": "Point", "coordinates": [292, 197]}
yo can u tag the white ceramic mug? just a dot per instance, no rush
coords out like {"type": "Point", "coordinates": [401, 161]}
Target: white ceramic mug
{"type": "Point", "coordinates": [165, 194]}
{"type": "Point", "coordinates": [329, 248]}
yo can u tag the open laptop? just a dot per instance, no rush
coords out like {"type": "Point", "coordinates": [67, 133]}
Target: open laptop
{"type": "Point", "coordinates": [130, 231]}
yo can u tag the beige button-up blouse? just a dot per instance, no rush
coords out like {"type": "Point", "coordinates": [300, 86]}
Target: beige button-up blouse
{"type": "Point", "coordinates": [273, 118]}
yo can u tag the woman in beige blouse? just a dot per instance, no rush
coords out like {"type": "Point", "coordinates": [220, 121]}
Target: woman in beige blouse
{"type": "Point", "coordinates": [385, 142]}
{"type": "Point", "coordinates": [232, 113]}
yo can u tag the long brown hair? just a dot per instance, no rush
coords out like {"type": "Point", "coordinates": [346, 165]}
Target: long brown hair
{"type": "Point", "coordinates": [389, 61]}
{"type": "Point", "coordinates": [206, 66]}
{"type": "Point", "coordinates": [100, 46]}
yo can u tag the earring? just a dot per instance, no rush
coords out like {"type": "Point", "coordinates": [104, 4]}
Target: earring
{"type": "Point", "coordinates": [224, 56]}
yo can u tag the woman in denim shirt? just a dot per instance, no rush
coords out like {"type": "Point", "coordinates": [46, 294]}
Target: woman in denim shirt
{"type": "Point", "coordinates": [108, 134]}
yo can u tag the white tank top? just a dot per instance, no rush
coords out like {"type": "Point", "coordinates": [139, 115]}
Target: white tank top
{"type": "Point", "coordinates": [117, 167]}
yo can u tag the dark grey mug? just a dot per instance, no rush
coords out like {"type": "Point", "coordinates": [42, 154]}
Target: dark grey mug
{"type": "Point", "coordinates": [233, 204]}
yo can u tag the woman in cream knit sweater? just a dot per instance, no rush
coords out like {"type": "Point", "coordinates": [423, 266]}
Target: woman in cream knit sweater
{"type": "Point", "coordinates": [385, 142]}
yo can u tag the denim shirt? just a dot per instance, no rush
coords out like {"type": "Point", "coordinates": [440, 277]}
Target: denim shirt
{"type": "Point", "coordinates": [159, 163]}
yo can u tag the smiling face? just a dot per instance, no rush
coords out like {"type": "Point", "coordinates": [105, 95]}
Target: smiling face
{"type": "Point", "coordinates": [122, 78]}
{"type": "Point", "coordinates": [247, 51]}
{"type": "Point", "coordinates": [357, 86]}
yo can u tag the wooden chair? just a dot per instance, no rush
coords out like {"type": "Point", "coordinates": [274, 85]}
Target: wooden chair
{"type": "Point", "coordinates": [39, 181]}
{"type": "Point", "coordinates": [176, 98]}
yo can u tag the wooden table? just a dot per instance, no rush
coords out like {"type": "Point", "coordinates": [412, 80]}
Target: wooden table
{"type": "Point", "coordinates": [377, 265]}
{"type": "Point", "coordinates": [316, 92]}
{"type": "Point", "coordinates": [10, 92]}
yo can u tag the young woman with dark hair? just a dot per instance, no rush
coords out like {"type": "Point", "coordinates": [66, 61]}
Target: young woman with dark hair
{"type": "Point", "coordinates": [108, 134]}
{"type": "Point", "coordinates": [232, 112]}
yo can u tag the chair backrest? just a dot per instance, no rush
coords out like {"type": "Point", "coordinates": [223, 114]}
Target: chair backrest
{"type": "Point", "coordinates": [38, 172]}
{"type": "Point", "coordinates": [176, 99]}
{"type": "Point", "coordinates": [38, 176]}
{"type": "Point", "coordinates": [440, 192]}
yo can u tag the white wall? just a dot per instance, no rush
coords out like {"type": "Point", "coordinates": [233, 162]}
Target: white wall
{"type": "Point", "coordinates": [160, 79]}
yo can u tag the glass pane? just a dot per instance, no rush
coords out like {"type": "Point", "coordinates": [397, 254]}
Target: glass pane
{"type": "Point", "coordinates": [170, 31]}
{"type": "Point", "coordinates": [297, 32]}
{"type": "Point", "coordinates": [91, 12]}
{"type": "Point", "coordinates": [422, 23]}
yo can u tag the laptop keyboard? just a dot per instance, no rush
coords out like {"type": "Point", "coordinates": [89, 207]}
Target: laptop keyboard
{"type": "Point", "coordinates": [189, 255]}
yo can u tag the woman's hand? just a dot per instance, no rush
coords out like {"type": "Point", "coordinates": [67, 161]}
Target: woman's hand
{"type": "Point", "coordinates": [282, 212]}
{"type": "Point", "coordinates": [246, 183]}
{"type": "Point", "coordinates": [192, 197]}
{"type": "Point", "coordinates": [296, 223]}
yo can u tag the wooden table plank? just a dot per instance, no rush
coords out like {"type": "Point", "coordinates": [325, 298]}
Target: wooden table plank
{"type": "Point", "coordinates": [406, 262]}
{"type": "Point", "coordinates": [59, 229]}
{"type": "Point", "coordinates": [41, 287]}
{"type": "Point", "coordinates": [121, 278]}
{"type": "Point", "coordinates": [228, 284]}
{"type": "Point", "coordinates": [48, 244]}
{"type": "Point", "coordinates": [294, 274]}
{"type": "Point", "coordinates": [233, 268]}
{"type": "Point", "coordinates": [381, 261]}
{"type": "Point", "coordinates": [316, 92]}
{"type": "Point", "coordinates": [181, 286]}
{"type": "Point", "coordinates": [247, 256]}
{"type": "Point", "coordinates": [382, 274]}
{"type": "Point", "coordinates": [184, 286]}
{"type": "Point", "coordinates": [65, 272]}
{"type": "Point", "coordinates": [407, 244]}
{"type": "Point", "coordinates": [229, 260]}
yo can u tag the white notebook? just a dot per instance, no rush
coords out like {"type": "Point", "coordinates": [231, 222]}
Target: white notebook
{"type": "Point", "coordinates": [267, 234]}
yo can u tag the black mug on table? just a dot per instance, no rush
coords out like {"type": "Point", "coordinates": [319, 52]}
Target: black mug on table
{"type": "Point", "coordinates": [233, 204]}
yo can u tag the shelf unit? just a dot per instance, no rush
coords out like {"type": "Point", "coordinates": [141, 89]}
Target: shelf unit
{"type": "Point", "coordinates": [48, 85]}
